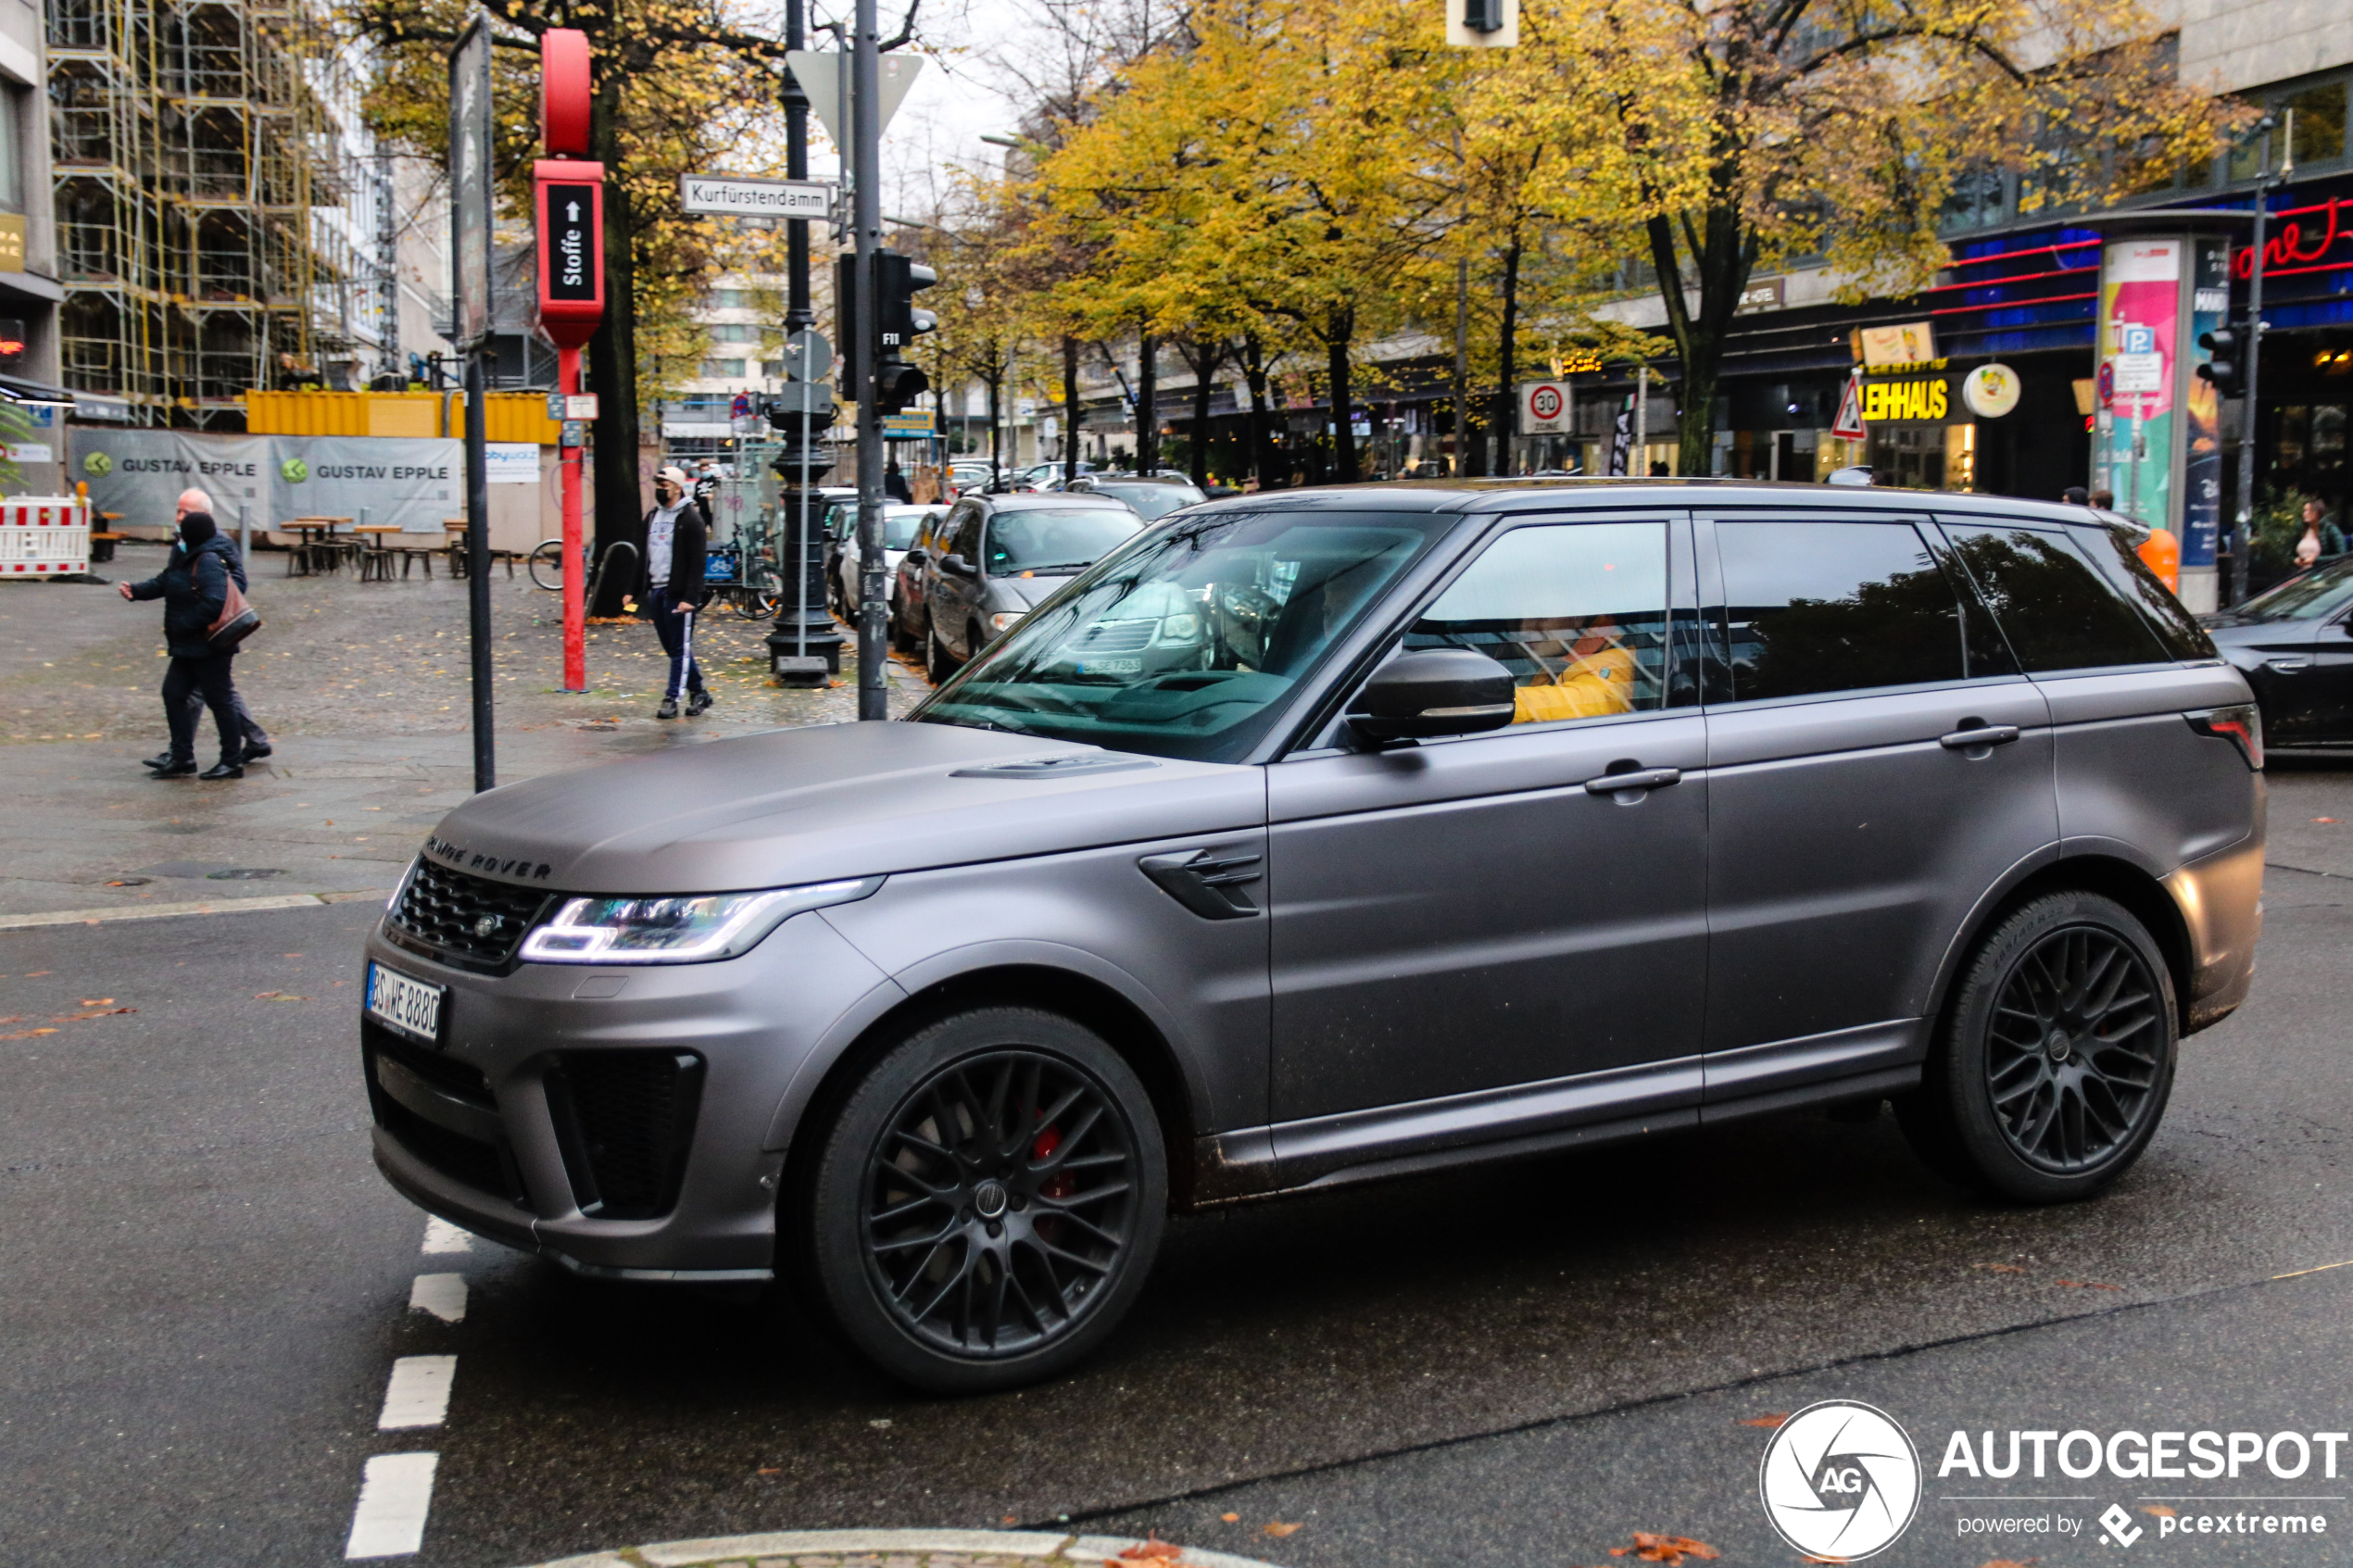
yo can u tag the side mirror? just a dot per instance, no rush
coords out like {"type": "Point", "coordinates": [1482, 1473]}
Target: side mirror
{"type": "Point", "coordinates": [957, 566]}
{"type": "Point", "coordinates": [1435, 692]}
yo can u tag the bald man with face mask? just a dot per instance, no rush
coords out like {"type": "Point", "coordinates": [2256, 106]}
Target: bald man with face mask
{"type": "Point", "coordinates": [257, 739]}
{"type": "Point", "coordinates": [194, 585]}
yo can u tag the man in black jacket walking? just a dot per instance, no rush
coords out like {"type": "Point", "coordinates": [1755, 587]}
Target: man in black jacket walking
{"type": "Point", "coordinates": [257, 739]}
{"type": "Point", "coordinates": [676, 543]}
{"type": "Point", "coordinates": [193, 584]}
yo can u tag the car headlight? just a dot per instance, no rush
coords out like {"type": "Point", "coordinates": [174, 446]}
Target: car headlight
{"type": "Point", "coordinates": [1180, 629]}
{"type": "Point", "coordinates": [692, 928]}
{"type": "Point", "coordinates": [1005, 618]}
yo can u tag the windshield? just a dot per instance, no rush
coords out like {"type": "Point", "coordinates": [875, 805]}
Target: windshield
{"type": "Point", "coordinates": [1188, 642]}
{"type": "Point", "coordinates": [2315, 595]}
{"type": "Point", "coordinates": [900, 524]}
{"type": "Point", "coordinates": [1054, 538]}
{"type": "Point", "coordinates": [1155, 501]}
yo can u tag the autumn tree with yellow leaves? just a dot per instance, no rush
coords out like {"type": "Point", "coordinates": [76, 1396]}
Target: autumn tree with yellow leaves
{"type": "Point", "coordinates": [1728, 137]}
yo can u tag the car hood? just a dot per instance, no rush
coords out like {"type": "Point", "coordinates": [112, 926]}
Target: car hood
{"type": "Point", "coordinates": [1031, 592]}
{"type": "Point", "coordinates": [2238, 632]}
{"type": "Point", "coordinates": [831, 801]}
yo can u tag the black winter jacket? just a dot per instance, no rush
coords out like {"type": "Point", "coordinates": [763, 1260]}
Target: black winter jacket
{"type": "Point", "coordinates": [689, 546]}
{"type": "Point", "coordinates": [192, 588]}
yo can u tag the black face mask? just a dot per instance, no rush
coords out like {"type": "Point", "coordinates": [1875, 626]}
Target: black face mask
{"type": "Point", "coordinates": [195, 529]}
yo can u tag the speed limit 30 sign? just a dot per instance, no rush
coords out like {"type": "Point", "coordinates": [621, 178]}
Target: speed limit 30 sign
{"type": "Point", "coordinates": [1543, 408]}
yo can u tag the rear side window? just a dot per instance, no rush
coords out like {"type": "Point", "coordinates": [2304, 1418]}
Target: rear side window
{"type": "Point", "coordinates": [1834, 607]}
{"type": "Point", "coordinates": [2129, 574]}
{"type": "Point", "coordinates": [1577, 612]}
{"type": "Point", "coordinates": [2058, 612]}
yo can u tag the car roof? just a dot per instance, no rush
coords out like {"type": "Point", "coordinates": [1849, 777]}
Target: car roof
{"type": "Point", "coordinates": [1597, 494]}
{"type": "Point", "coordinates": [1018, 500]}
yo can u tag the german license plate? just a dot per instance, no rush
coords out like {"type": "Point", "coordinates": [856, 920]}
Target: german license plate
{"type": "Point", "coordinates": [412, 1007]}
{"type": "Point", "coordinates": [1112, 666]}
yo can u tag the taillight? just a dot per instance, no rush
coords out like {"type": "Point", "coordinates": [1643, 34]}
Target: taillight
{"type": "Point", "coordinates": [2240, 724]}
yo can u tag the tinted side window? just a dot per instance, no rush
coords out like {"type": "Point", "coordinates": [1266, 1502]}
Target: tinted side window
{"type": "Point", "coordinates": [1834, 607]}
{"type": "Point", "coordinates": [2126, 571]}
{"type": "Point", "coordinates": [967, 540]}
{"type": "Point", "coordinates": [1576, 613]}
{"type": "Point", "coordinates": [2058, 612]}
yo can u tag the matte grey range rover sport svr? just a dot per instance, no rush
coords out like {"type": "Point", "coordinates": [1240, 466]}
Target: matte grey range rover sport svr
{"type": "Point", "coordinates": [1328, 835]}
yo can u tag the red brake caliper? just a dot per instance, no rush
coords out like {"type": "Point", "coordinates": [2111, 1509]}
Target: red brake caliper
{"type": "Point", "coordinates": [1060, 1185]}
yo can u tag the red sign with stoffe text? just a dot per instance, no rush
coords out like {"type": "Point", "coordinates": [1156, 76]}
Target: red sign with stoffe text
{"type": "Point", "coordinates": [570, 204]}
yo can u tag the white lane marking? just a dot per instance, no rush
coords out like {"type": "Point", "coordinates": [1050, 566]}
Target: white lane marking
{"type": "Point", "coordinates": [394, 1494]}
{"type": "Point", "coordinates": [163, 911]}
{"type": "Point", "coordinates": [419, 1392]}
{"type": "Point", "coordinates": [441, 1295]}
{"type": "Point", "coordinates": [443, 1237]}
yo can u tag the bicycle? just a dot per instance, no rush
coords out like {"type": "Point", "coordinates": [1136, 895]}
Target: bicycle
{"type": "Point", "coordinates": [546, 564]}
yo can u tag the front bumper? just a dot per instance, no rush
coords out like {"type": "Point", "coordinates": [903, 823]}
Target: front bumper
{"type": "Point", "coordinates": [509, 1123]}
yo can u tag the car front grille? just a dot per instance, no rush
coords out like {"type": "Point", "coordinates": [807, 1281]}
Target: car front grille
{"type": "Point", "coordinates": [441, 1110]}
{"type": "Point", "coordinates": [464, 919]}
{"type": "Point", "coordinates": [1115, 636]}
{"type": "Point", "coordinates": [625, 1119]}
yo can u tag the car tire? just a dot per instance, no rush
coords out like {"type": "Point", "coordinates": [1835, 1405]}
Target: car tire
{"type": "Point", "coordinates": [1034, 1196]}
{"type": "Point", "coordinates": [2054, 1058]}
{"type": "Point", "coordinates": [901, 641]}
{"type": "Point", "coordinates": [937, 664]}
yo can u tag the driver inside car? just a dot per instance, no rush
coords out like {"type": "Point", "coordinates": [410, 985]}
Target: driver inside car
{"type": "Point", "coordinates": [1581, 671]}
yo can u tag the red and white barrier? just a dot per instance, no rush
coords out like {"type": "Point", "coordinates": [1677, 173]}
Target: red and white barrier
{"type": "Point", "coordinates": [43, 536]}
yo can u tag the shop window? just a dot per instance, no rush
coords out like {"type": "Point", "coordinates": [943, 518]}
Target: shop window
{"type": "Point", "coordinates": [2320, 122]}
{"type": "Point", "coordinates": [1909, 457]}
{"type": "Point", "coordinates": [11, 149]}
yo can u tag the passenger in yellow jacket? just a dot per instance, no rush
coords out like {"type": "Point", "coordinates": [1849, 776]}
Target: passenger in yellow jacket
{"type": "Point", "coordinates": [1597, 679]}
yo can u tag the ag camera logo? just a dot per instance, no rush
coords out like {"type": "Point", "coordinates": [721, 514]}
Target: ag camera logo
{"type": "Point", "coordinates": [1840, 1479]}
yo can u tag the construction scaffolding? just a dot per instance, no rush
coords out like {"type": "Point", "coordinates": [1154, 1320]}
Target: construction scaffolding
{"type": "Point", "coordinates": [193, 148]}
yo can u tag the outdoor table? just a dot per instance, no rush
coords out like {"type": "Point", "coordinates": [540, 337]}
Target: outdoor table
{"type": "Point", "coordinates": [319, 546]}
{"type": "Point", "coordinates": [375, 555]}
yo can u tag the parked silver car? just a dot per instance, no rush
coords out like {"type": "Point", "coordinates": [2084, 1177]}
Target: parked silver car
{"type": "Point", "coordinates": [999, 555]}
{"type": "Point", "coordinates": [1334, 836]}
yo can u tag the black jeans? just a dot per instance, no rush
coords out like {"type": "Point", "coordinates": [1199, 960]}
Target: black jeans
{"type": "Point", "coordinates": [207, 678]}
{"type": "Point", "coordinates": [254, 733]}
{"type": "Point", "coordinates": [677, 632]}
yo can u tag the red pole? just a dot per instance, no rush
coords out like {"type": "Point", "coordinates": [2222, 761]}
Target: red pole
{"type": "Point", "coordinates": [575, 554]}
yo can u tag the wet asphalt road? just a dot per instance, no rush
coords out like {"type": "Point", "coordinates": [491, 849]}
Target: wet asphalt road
{"type": "Point", "coordinates": [202, 1285]}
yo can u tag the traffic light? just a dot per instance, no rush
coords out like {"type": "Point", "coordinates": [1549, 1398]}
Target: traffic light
{"type": "Point", "coordinates": [897, 281]}
{"type": "Point", "coordinates": [2227, 369]}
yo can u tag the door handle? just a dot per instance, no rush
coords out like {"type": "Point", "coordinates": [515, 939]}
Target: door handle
{"type": "Point", "coordinates": [1984, 735]}
{"type": "Point", "coordinates": [1642, 778]}
{"type": "Point", "coordinates": [2287, 665]}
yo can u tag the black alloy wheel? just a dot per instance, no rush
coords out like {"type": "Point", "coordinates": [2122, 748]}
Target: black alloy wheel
{"type": "Point", "coordinates": [2054, 1058]}
{"type": "Point", "coordinates": [998, 1201]}
{"type": "Point", "coordinates": [983, 1207]}
{"type": "Point", "coordinates": [2075, 1051]}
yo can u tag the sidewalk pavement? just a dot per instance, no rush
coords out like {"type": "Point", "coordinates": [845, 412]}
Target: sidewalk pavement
{"type": "Point", "coordinates": [365, 690]}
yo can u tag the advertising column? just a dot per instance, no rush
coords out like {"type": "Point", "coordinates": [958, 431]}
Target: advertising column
{"type": "Point", "coordinates": [2141, 429]}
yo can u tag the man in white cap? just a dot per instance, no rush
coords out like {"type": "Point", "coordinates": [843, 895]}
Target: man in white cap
{"type": "Point", "coordinates": [676, 539]}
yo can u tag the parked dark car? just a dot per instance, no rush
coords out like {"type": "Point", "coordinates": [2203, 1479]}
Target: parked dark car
{"type": "Point", "coordinates": [997, 556]}
{"type": "Point", "coordinates": [2293, 644]}
{"type": "Point", "coordinates": [1480, 819]}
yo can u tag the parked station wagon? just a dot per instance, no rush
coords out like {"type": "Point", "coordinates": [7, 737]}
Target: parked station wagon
{"type": "Point", "coordinates": [1333, 836]}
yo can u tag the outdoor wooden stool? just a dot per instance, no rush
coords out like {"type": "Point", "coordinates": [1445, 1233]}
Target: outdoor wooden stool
{"type": "Point", "coordinates": [375, 551]}
{"type": "Point", "coordinates": [102, 540]}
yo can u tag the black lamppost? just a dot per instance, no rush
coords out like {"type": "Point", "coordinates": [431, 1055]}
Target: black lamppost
{"type": "Point", "coordinates": [804, 646]}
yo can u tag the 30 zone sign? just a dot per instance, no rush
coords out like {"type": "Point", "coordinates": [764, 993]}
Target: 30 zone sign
{"type": "Point", "coordinates": [1543, 408]}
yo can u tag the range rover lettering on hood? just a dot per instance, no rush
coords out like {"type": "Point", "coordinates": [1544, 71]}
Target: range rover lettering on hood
{"type": "Point", "coordinates": [460, 855]}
